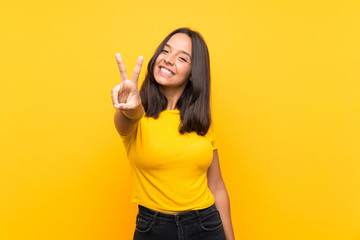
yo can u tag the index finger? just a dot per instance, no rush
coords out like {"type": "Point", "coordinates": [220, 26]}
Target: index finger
{"type": "Point", "coordinates": [136, 73]}
{"type": "Point", "coordinates": [122, 68]}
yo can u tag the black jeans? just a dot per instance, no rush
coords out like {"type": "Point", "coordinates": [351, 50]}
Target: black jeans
{"type": "Point", "coordinates": [192, 225]}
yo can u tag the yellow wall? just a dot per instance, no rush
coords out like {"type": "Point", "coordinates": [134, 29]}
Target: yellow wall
{"type": "Point", "coordinates": [286, 104]}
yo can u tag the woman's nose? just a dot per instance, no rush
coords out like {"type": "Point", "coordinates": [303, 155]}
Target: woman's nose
{"type": "Point", "coordinates": [169, 59]}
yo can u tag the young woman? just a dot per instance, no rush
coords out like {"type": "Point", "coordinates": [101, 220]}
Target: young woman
{"type": "Point", "coordinates": [169, 138]}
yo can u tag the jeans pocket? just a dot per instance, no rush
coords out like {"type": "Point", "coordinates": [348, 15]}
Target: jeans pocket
{"type": "Point", "coordinates": [211, 221]}
{"type": "Point", "coordinates": [143, 223]}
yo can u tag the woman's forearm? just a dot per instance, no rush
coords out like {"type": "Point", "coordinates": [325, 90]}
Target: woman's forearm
{"type": "Point", "coordinates": [123, 123]}
{"type": "Point", "coordinates": [222, 203]}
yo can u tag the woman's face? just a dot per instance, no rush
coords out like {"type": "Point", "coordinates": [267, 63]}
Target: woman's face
{"type": "Point", "coordinates": [172, 67]}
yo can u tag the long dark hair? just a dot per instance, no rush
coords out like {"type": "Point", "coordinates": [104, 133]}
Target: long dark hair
{"type": "Point", "coordinates": [194, 103]}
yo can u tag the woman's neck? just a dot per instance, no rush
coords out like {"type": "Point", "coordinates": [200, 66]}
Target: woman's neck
{"type": "Point", "coordinates": [172, 95]}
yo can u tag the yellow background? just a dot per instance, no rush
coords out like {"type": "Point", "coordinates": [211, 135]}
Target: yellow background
{"type": "Point", "coordinates": [286, 103]}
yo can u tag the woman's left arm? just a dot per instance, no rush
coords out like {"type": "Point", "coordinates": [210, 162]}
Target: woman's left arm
{"type": "Point", "coordinates": [218, 189]}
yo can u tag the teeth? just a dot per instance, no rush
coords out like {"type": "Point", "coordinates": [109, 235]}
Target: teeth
{"type": "Point", "coordinates": [166, 71]}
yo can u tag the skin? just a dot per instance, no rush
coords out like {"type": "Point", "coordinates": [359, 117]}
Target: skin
{"type": "Point", "coordinates": [217, 187]}
{"type": "Point", "coordinates": [176, 57]}
{"type": "Point", "coordinates": [126, 98]}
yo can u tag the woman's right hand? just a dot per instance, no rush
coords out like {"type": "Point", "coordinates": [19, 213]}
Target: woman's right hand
{"type": "Point", "coordinates": [126, 96]}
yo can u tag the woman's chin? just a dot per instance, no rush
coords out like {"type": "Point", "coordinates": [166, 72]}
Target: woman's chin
{"type": "Point", "coordinates": [162, 80]}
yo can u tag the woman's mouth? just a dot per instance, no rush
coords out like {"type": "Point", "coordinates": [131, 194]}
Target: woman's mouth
{"type": "Point", "coordinates": [166, 72]}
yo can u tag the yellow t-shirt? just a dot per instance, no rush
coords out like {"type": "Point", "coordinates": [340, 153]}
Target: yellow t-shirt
{"type": "Point", "coordinates": [168, 169]}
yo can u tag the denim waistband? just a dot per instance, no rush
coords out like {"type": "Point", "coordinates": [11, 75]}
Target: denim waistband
{"type": "Point", "coordinates": [175, 218]}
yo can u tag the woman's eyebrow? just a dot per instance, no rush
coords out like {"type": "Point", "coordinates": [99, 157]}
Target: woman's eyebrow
{"type": "Point", "coordinates": [180, 50]}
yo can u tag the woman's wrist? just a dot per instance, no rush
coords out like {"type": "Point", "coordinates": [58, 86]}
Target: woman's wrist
{"type": "Point", "coordinates": [134, 114]}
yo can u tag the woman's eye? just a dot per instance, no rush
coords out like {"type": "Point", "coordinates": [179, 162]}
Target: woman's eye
{"type": "Point", "coordinates": [165, 51]}
{"type": "Point", "coordinates": [183, 59]}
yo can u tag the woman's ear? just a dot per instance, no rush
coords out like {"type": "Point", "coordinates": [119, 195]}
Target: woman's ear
{"type": "Point", "coordinates": [190, 78]}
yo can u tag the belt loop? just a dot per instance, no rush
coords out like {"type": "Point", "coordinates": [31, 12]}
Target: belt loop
{"type": "Point", "coordinates": [154, 218]}
{"type": "Point", "coordinates": [198, 214]}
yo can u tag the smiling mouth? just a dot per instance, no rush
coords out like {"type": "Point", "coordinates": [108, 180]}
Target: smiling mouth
{"type": "Point", "coordinates": [166, 71]}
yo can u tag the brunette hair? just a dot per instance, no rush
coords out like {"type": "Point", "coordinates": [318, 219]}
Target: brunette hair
{"type": "Point", "coordinates": [194, 103]}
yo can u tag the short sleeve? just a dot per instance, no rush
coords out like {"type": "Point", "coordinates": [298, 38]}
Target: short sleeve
{"type": "Point", "coordinates": [127, 139]}
{"type": "Point", "coordinates": [213, 137]}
